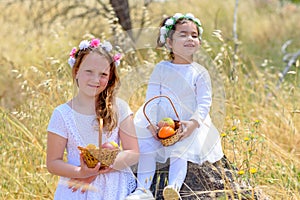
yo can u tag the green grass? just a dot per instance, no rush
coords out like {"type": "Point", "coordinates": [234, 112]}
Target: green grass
{"type": "Point", "coordinates": [261, 122]}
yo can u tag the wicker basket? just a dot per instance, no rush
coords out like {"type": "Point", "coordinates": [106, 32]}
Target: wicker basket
{"type": "Point", "coordinates": [92, 156]}
{"type": "Point", "coordinates": [178, 128]}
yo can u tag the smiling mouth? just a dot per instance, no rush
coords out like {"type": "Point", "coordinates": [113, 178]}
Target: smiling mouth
{"type": "Point", "coordinates": [93, 86]}
{"type": "Point", "coordinates": [189, 45]}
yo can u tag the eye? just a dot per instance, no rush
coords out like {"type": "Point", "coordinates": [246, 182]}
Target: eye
{"type": "Point", "coordinates": [88, 71]}
{"type": "Point", "coordinates": [104, 75]}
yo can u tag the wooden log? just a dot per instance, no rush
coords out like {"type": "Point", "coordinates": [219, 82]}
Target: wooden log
{"type": "Point", "coordinates": [207, 181]}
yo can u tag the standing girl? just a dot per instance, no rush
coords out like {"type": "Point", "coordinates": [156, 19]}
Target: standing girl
{"type": "Point", "coordinates": [188, 85]}
{"type": "Point", "coordinates": [75, 123]}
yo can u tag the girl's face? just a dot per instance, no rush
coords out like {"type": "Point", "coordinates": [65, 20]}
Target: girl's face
{"type": "Point", "coordinates": [185, 41]}
{"type": "Point", "coordinates": [93, 74]}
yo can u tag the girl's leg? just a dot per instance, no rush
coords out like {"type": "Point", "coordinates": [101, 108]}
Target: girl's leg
{"type": "Point", "coordinates": [177, 172]}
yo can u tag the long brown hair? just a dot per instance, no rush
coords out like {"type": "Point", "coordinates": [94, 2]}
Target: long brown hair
{"type": "Point", "coordinates": [105, 102]}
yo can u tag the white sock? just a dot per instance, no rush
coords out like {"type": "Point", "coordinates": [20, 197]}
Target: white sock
{"type": "Point", "coordinates": [177, 172]}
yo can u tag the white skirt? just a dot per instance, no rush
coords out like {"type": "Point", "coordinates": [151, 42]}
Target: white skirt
{"type": "Point", "coordinates": [202, 145]}
{"type": "Point", "coordinates": [113, 186]}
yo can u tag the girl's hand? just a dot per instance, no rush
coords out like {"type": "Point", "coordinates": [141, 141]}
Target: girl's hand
{"type": "Point", "coordinates": [85, 171]}
{"type": "Point", "coordinates": [83, 183]}
{"type": "Point", "coordinates": [104, 170]}
{"type": "Point", "coordinates": [188, 128]}
{"type": "Point", "coordinates": [153, 129]}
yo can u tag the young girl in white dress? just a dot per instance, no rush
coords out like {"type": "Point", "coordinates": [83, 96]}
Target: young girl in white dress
{"type": "Point", "coordinates": [75, 123]}
{"type": "Point", "coordinates": [188, 85]}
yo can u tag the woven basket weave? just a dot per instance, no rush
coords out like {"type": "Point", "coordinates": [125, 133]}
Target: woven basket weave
{"type": "Point", "coordinates": [178, 128]}
{"type": "Point", "coordinates": [105, 156]}
{"type": "Point", "coordinates": [93, 156]}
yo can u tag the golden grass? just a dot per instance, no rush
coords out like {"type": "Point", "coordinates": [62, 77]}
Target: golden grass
{"type": "Point", "coordinates": [261, 127]}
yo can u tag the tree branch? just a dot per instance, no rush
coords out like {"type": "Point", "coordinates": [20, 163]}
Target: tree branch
{"type": "Point", "coordinates": [292, 61]}
{"type": "Point", "coordinates": [235, 39]}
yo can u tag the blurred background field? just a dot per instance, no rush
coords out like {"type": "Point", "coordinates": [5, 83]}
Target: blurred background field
{"type": "Point", "coordinates": [260, 113]}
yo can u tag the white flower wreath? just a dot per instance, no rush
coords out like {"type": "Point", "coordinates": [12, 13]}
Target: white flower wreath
{"type": "Point", "coordinates": [94, 43]}
{"type": "Point", "coordinates": [169, 24]}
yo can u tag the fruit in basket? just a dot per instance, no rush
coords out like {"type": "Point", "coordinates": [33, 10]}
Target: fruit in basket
{"type": "Point", "coordinates": [91, 146]}
{"type": "Point", "coordinates": [92, 156]}
{"type": "Point", "coordinates": [110, 145]}
{"type": "Point", "coordinates": [177, 124]}
{"type": "Point", "coordinates": [166, 131]}
{"type": "Point", "coordinates": [114, 144]}
{"type": "Point", "coordinates": [167, 121]}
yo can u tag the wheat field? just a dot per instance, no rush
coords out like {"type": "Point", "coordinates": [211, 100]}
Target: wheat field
{"type": "Point", "coordinates": [260, 116]}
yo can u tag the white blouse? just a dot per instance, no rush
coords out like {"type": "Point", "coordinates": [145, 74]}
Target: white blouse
{"type": "Point", "coordinates": [188, 86]}
{"type": "Point", "coordinates": [80, 130]}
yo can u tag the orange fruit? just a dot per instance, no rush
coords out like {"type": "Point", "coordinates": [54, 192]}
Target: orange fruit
{"type": "Point", "coordinates": [166, 131]}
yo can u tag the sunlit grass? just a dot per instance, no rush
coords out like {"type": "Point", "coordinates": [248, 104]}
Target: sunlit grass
{"type": "Point", "coordinates": [261, 129]}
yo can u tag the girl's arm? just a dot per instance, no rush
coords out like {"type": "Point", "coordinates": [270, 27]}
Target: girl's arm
{"type": "Point", "coordinates": [130, 154]}
{"type": "Point", "coordinates": [204, 100]}
{"type": "Point", "coordinates": [203, 97]}
{"type": "Point", "coordinates": [55, 164]}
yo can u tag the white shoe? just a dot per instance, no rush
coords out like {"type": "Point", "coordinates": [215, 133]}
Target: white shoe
{"type": "Point", "coordinates": [140, 193]}
{"type": "Point", "coordinates": [170, 193]}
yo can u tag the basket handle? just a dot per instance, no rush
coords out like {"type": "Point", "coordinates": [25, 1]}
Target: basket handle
{"type": "Point", "coordinates": [155, 97]}
{"type": "Point", "coordinates": [100, 134]}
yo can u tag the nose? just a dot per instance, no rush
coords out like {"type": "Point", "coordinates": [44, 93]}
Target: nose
{"type": "Point", "coordinates": [190, 37]}
{"type": "Point", "coordinates": [96, 78]}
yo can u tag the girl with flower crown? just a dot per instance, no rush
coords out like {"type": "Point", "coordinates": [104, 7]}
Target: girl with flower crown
{"type": "Point", "coordinates": [188, 85]}
{"type": "Point", "coordinates": [75, 123]}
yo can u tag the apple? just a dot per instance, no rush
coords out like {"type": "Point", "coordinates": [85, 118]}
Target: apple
{"type": "Point", "coordinates": [167, 121]}
{"type": "Point", "coordinates": [107, 145]}
{"type": "Point", "coordinates": [110, 145]}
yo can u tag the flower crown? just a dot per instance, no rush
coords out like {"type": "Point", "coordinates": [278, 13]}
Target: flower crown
{"type": "Point", "coordinates": [94, 43]}
{"type": "Point", "coordinates": [169, 24]}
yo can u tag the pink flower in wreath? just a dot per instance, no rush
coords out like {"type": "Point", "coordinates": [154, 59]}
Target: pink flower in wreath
{"type": "Point", "coordinates": [95, 42]}
{"type": "Point", "coordinates": [73, 52]}
{"type": "Point", "coordinates": [117, 57]}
